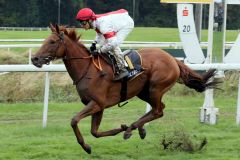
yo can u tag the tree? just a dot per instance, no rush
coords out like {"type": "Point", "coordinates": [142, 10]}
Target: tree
{"type": "Point", "coordinates": [39, 13]}
{"type": "Point", "coordinates": [153, 13]}
{"type": "Point", "coordinates": [233, 20]}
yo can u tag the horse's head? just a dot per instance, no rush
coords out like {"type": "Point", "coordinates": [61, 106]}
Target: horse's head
{"type": "Point", "coordinates": [53, 47]}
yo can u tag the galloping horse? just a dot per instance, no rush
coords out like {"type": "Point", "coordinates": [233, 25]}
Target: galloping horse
{"type": "Point", "coordinates": [99, 91]}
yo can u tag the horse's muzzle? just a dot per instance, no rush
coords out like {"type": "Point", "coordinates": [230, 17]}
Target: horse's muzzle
{"type": "Point", "coordinates": [39, 61]}
{"type": "Point", "coordinates": [36, 62]}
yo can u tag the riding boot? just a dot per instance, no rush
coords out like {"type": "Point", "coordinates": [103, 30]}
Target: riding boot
{"type": "Point", "coordinates": [121, 69]}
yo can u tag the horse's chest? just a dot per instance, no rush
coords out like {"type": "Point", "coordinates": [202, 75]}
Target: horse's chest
{"type": "Point", "coordinates": [83, 87]}
{"type": "Point", "coordinates": [86, 87]}
{"type": "Point", "coordinates": [83, 91]}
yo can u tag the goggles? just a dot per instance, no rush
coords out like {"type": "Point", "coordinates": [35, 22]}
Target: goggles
{"type": "Point", "coordinates": [83, 23]}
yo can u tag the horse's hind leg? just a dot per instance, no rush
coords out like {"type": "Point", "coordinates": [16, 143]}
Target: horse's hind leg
{"type": "Point", "coordinates": [96, 120]}
{"type": "Point", "coordinates": [142, 132]}
{"type": "Point", "coordinates": [156, 112]}
{"type": "Point", "coordinates": [151, 115]}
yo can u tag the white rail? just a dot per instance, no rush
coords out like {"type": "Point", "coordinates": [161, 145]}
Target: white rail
{"type": "Point", "coordinates": [61, 67]}
{"type": "Point", "coordinates": [24, 28]}
{"type": "Point", "coordinates": [20, 45]}
{"type": "Point", "coordinates": [32, 68]}
{"type": "Point", "coordinates": [126, 44]}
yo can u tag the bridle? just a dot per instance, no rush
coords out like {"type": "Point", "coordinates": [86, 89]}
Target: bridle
{"type": "Point", "coordinates": [61, 39]}
{"type": "Point", "coordinates": [96, 61]}
{"type": "Point", "coordinates": [53, 55]}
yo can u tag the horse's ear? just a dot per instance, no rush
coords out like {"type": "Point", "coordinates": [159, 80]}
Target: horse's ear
{"type": "Point", "coordinates": [57, 28]}
{"type": "Point", "coordinates": [65, 31]}
{"type": "Point", "coordinates": [52, 28]}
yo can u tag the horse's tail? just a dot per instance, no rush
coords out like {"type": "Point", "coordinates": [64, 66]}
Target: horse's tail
{"type": "Point", "coordinates": [196, 81]}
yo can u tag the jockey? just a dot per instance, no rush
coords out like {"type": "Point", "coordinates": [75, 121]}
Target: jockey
{"type": "Point", "coordinates": [111, 30]}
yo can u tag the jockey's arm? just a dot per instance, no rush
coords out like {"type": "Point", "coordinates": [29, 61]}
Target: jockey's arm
{"type": "Point", "coordinates": [110, 44]}
{"type": "Point", "coordinates": [99, 39]}
{"type": "Point", "coordinates": [109, 36]}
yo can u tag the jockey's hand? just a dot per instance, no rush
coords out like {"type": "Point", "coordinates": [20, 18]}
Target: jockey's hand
{"type": "Point", "coordinates": [93, 47]}
{"type": "Point", "coordinates": [96, 52]}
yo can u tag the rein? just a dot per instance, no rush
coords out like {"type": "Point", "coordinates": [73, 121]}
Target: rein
{"type": "Point", "coordinates": [98, 66]}
{"type": "Point", "coordinates": [96, 62]}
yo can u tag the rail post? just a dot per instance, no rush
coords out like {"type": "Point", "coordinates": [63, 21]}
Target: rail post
{"type": "Point", "coordinates": [238, 104]}
{"type": "Point", "coordinates": [46, 96]}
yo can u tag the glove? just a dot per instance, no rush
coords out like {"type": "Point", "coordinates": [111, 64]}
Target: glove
{"type": "Point", "coordinates": [96, 52]}
{"type": "Point", "coordinates": [93, 47]}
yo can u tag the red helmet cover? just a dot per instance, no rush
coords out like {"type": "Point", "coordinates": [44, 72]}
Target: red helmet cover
{"type": "Point", "coordinates": [85, 14]}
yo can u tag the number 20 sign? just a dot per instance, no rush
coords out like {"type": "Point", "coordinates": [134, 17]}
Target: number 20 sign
{"type": "Point", "coordinates": [185, 19]}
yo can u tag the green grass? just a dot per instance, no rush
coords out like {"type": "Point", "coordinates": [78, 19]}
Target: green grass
{"type": "Point", "coordinates": [23, 34]}
{"type": "Point", "coordinates": [154, 34]}
{"type": "Point", "coordinates": [217, 47]}
{"type": "Point", "coordinates": [138, 34]}
{"type": "Point", "coordinates": [22, 137]}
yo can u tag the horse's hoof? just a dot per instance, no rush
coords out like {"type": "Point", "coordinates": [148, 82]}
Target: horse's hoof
{"type": "Point", "coordinates": [127, 135]}
{"type": "Point", "coordinates": [124, 127]}
{"type": "Point", "coordinates": [142, 133]}
{"type": "Point", "coordinates": [87, 148]}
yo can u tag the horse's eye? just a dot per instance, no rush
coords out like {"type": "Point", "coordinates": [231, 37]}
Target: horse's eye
{"type": "Point", "coordinates": [52, 42]}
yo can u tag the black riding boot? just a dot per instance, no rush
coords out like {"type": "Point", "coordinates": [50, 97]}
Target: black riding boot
{"type": "Point", "coordinates": [122, 73]}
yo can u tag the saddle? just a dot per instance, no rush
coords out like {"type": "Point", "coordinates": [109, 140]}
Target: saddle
{"type": "Point", "coordinates": [133, 59]}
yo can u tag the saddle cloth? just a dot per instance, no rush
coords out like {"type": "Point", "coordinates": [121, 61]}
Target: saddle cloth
{"type": "Point", "coordinates": [134, 61]}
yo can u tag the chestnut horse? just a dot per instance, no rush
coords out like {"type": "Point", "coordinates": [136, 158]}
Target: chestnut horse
{"type": "Point", "coordinates": [99, 91]}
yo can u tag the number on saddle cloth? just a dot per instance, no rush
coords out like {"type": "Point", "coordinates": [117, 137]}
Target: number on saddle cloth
{"type": "Point", "coordinates": [134, 61]}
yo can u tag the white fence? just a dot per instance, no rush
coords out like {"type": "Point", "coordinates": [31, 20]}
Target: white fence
{"type": "Point", "coordinates": [126, 44]}
{"type": "Point", "coordinates": [24, 28]}
{"type": "Point", "coordinates": [61, 67]}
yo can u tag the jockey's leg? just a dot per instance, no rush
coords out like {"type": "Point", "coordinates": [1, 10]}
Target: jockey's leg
{"type": "Point", "coordinates": [123, 33]}
{"type": "Point", "coordinates": [121, 36]}
{"type": "Point", "coordinates": [117, 53]}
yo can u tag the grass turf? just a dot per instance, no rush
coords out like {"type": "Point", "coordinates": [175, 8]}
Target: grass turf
{"type": "Point", "coordinates": [22, 136]}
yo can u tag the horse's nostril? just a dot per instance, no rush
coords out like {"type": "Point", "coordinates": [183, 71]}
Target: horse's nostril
{"type": "Point", "coordinates": [34, 59]}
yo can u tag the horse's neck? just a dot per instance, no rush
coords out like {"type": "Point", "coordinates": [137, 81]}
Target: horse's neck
{"type": "Point", "coordinates": [76, 68]}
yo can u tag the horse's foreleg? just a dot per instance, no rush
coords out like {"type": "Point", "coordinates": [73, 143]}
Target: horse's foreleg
{"type": "Point", "coordinates": [88, 110]}
{"type": "Point", "coordinates": [96, 120]}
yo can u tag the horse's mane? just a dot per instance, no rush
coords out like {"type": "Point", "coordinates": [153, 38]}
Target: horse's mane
{"type": "Point", "coordinates": [72, 34]}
